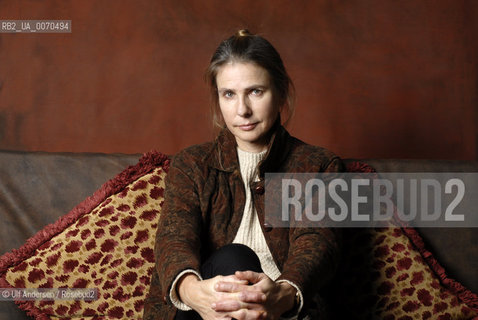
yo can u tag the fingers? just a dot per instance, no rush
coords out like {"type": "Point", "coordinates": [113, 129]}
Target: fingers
{"type": "Point", "coordinates": [229, 286]}
{"type": "Point", "coordinates": [226, 305]}
{"type": "Point", "coordinates": [248, 296]}
{"type": "Point", "coordinates": [253, 296]}
{"type": "Point", "coordinates": [231, 278]}
{"type": "Point", "coordinates": [239, 310]}
{"type": "Point", "coordinates": [251, 276]}
{"type": "Point", "coordinates": [245, 314]}
{"type": "Point", "coordinates": [246, 299]}
{"type": "Point", "coordinates": [246, 293]}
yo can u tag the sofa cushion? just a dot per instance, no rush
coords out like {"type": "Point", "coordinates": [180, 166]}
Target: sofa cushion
{"type": "Point", "coordinates": [105, 243]}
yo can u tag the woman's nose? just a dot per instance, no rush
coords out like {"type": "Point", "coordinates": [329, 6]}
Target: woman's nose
{"type": "Point", "coordinates": [243, 108]}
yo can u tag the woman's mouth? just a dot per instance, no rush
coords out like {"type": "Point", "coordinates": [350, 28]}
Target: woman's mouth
{"type": "Point", "coordinates": [247, 127]}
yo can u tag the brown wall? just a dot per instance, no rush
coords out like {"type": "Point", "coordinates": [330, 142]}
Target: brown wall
{"type": "Point", "coordinates": [374, 78]}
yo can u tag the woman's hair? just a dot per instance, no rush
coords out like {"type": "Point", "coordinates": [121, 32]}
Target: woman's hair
{"type": "Point", "coordinates": [250, 48]}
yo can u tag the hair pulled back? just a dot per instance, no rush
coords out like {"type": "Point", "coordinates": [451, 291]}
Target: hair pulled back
{"type": "Point", "coordinates": [249, 48]}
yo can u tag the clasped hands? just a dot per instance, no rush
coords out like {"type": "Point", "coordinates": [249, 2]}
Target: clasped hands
{"type": "Point", "coordinates": [246, 295]}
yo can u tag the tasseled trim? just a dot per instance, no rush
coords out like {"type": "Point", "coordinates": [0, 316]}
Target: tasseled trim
{"type": "Point", "coordinates": [357, 166]}
{"type": "Point", "coordinates": [464, 294]}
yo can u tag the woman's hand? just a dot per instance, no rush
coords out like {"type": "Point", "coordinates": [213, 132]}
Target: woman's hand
{"type": "Point", "coordinates": [203, 295]}
{"type": "Point", "coordinates": [261, 295]}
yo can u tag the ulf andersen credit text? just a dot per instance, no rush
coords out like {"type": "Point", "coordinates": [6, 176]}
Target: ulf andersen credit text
{"type": "Point", "coordinates": [28, 294]}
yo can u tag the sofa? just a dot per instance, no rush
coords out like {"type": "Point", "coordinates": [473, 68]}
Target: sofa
{"type": "Point", "coordinates": [37, 188]}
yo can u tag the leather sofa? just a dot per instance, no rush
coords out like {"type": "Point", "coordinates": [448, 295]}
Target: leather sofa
{"type": "Point", "coordinates": [37, 188]}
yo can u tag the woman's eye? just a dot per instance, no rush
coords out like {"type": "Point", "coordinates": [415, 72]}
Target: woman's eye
{"type": "Point", "coordinates": [228, 94]}
{"type": "Point", "coordinates": [256, 92]}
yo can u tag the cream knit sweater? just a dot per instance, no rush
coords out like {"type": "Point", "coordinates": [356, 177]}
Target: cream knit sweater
{"type": "Point", "coordinates": [250, 232]}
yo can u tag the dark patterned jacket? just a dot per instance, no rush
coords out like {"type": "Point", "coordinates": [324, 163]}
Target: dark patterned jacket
{"type": "Point", "coordinates": [204, 203]}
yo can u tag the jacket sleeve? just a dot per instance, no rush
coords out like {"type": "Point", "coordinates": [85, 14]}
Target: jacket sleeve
{"type": "Point", "coordinates": [313, 252]}
{"type": "Point", "coordinates": [177, 246]}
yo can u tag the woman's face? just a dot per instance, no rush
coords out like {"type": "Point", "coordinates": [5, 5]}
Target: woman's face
{"type": "Point", "coordinates": [247, 103]}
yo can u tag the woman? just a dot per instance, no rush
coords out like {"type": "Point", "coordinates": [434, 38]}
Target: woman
{"type": "Point", "coordinates": [216, 258]}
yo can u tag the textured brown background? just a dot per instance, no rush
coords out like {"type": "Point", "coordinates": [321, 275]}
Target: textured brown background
{"type": "Point", "coordinates": [374, 78]}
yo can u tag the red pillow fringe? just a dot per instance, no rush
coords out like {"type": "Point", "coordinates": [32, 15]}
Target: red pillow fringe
{"type": "Point", "coordinates": [464, 294]}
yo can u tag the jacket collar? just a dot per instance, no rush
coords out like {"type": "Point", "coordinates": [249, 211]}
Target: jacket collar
{"type": "Point", "coordinates": [225, 152]}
